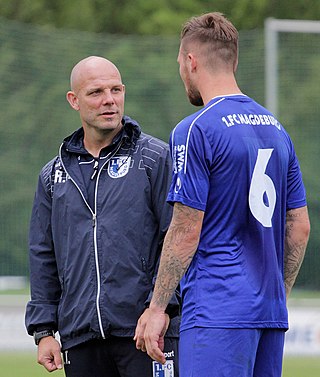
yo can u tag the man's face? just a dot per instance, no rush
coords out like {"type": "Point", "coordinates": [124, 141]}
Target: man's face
{"type": "Point", "coordinates": [99, 96]}
{"type": "Point", "coordinates": [193, 93]}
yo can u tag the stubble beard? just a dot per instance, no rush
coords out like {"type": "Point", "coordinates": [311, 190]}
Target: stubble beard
{"type": "Point", "coordinates": [194, 95]}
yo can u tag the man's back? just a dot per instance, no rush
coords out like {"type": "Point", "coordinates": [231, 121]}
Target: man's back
{"type": "Point", "coordinates": [236, 163]}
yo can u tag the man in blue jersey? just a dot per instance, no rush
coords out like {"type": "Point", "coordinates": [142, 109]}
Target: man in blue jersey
{"type": "Point", "coordinates": [240, 224]}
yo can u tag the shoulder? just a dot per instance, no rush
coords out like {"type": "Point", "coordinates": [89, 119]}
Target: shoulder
{"type": "Point", "coordinates": [151, 146]}
{"type": "Point", "coordinates": [189, 127]}
{"type": "Point", "coordinates": [47, 168]}
{"type": "Point", "coordinates": [47, 172]}
{"type": "Point", "coordinates": [154, 153]}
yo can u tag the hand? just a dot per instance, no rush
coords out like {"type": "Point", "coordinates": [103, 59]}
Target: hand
{"type": "Point", "coordinates": [49, 354]}
{"type": "Point", "coordinates": [154, 332]}
{"type": "Point", "coordinates": [139, 333]}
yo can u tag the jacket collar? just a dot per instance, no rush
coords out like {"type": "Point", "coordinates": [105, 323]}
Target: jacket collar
{"type": "Point", "coordinates": [130, 132]}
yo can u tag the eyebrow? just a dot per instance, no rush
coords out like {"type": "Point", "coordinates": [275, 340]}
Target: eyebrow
{"type": "Point", "coordinates": [102, 87]}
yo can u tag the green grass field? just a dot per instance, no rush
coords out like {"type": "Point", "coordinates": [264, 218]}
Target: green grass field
{"type": "Point", "coordinates": [25, 365]}
{"type": "Point", "coordinates": [301, 367]}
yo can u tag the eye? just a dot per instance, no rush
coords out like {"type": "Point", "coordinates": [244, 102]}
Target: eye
{"type": "Point", "coordinates": [94, 92]}
{"type": "Point", "coordinates": [117, 89]}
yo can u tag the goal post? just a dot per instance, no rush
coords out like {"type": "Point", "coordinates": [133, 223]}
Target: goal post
{"type": "Point", "coordinates": [272, 29]}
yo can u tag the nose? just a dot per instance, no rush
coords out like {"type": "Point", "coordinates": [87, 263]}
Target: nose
{"type": "Point", "coordinates": [107, 97]}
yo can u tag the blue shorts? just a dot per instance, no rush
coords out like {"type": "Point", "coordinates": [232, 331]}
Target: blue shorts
{"type": "Point", "coordinates": [211, 352]}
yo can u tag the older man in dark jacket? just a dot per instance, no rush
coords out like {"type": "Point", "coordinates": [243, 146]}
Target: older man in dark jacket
{"type": "Point", "coordinates": [98, 222]}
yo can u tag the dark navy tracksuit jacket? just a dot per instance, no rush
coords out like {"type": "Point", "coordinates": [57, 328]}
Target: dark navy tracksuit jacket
{"type": "Point", "coordinates": [92, 266]}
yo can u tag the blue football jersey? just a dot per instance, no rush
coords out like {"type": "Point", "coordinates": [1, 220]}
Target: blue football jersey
{"type": "Point", "coordinates": [235, 161]}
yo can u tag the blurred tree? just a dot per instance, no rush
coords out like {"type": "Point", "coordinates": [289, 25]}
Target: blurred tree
{"type": "Point", "coordinates": [162, 17]}
{"type": "Point", "coordinates": [35, 64]}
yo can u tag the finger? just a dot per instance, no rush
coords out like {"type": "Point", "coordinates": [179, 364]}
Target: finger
{"type": "Point", "coordinates": [49, 365]}
{"type": "Point", "coordinates": [157, 356]}
{"type": "Point", "coordinates": [155, 352]}
{"type": "Point", "coordinates": [140, 345]}
{"type": "Point", "coordinates": [58, 360]}
{"type": "Point", "coordinates": [136, 333]}
{"type": "Point", "coordinates": [139, 338]}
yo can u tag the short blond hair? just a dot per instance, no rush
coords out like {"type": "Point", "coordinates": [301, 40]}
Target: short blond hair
{"type": "Point", "coordinates": [216, 33]}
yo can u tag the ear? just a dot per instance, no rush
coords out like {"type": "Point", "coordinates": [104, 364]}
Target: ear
{"type": "Point", "coordinates": [192, 60]}
{"type": "Point", "coordinates": [73, 100]}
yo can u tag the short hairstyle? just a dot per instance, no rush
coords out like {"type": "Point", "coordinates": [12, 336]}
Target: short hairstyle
{"type": "Point", "coordinates": [216, 34]}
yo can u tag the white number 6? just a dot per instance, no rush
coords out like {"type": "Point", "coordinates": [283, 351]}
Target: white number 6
{"type": "Point", "coordinates": [261, 185]}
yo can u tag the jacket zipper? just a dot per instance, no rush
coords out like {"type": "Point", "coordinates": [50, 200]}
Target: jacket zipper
{"type": "Point", "coordinates": [95, 169]}
{"type": "Point", "coordinates": [94, 225]}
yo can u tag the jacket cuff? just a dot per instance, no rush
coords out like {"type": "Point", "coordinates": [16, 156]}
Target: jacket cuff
{"type": "Point", "coordinates": [173, 310]}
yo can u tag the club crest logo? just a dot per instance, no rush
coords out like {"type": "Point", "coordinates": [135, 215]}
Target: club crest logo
{"type": "Point", "coordinates": [119, 166]}
{"type": "Point", "coordinates": [166, 370]}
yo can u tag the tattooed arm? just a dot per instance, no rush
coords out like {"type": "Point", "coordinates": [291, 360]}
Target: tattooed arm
{"type": "Point", "coordinates": [296, 239]}
{"type": "Point", "coordinates": [180, 245]}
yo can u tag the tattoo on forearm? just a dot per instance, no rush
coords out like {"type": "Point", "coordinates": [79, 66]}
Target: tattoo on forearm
{"type": "Point", "coordinates": [178, 250]}
{"type": "Point", "coordinates": [295, 247]}
{"type": "Point", "coordinates": [292, 263]}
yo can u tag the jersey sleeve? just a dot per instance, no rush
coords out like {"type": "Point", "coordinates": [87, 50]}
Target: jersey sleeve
{"type": "Point", "coordinates": [296, 196]}
{"type": "Point", "coordinates": [191, 155]}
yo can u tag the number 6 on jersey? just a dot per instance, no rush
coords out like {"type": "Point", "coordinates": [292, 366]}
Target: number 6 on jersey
{"type": "Point", "coordinates": [262, 193]}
